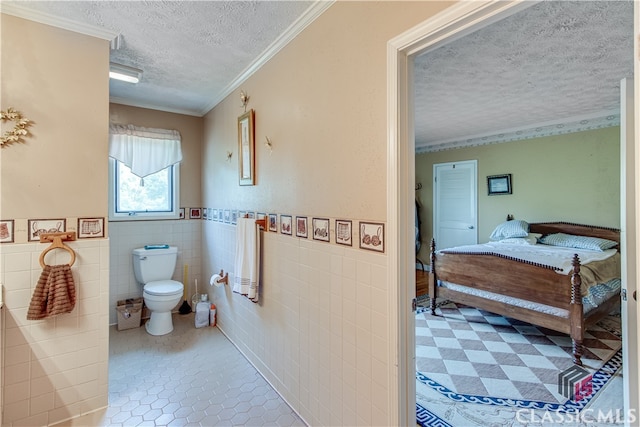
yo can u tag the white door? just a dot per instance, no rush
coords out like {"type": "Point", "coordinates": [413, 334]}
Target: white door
{"type": "Point", "coordinates": [455, 204]}
{"type": "Point", "coordinates": [629, 249]}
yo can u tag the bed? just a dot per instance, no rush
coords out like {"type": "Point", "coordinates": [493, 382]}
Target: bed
{"type": "Point", "coordinates": [560, 293]}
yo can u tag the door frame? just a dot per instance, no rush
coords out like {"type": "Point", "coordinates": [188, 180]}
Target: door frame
{"type": "Point", "coordinates": [454, 22]}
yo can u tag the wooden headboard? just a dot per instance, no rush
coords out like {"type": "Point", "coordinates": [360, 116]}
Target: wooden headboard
{"type": "Point", "coordinates": [577, 229]}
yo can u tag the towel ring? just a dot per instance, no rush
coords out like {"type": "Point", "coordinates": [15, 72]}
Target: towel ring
{"type": "Point", "coordinates": [57, 244]}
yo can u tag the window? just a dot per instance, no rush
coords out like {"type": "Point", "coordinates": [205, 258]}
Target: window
{"type": "Point", "coordinates": [152, 197]}
{"type": "Point", "coordinates": [144, 173]}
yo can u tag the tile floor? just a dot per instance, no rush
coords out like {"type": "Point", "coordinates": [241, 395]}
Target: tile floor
{"type": "Point", "coordinates": [190, 377]}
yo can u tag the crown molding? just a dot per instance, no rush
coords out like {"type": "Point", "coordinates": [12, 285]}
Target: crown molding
{"type": "Point", "coordinates": [602, 119]}
{"type": "Point", "coordinates": [310, 15]}
{"type": "Point", "coordinates": [12, 8]}
{"type": "Point", "coordinates": [132, 103]}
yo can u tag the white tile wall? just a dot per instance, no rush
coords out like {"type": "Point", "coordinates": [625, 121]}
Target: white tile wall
{"type": "Point", "coordinates": [55, 368]}
{"type": "Point", "coordinates": [126, 236]}
{"type": "Point", "coordinates": [320, 332]}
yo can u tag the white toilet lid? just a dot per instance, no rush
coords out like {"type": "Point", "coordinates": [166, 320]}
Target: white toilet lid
{"type": "Point", "coordinates": [163, 287]}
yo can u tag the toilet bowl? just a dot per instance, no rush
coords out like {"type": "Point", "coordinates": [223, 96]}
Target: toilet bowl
{"type": "Point", "coordinates": [161, 297]}
{"type": "Point", "coordinates": [153, 267]}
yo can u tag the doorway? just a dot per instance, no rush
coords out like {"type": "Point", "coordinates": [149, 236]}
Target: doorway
{"type": "Point", "coordinates": [455, 22]}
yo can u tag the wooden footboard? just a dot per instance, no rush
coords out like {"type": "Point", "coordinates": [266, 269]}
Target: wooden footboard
{"type": "Point", "coordinates": [525, 281]}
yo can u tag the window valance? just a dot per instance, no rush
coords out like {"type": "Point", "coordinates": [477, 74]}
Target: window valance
{"type": "Point", "coordinates": [144, 150]}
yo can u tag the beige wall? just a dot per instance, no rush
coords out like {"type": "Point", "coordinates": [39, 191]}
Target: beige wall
{"type": "Point", "coordinates": [190, 129]}
{"type": "Point", "coordinates": [574, 178]}
{"type": "Point", "coordinates": [321, 332]}
{"type": "Point", "coordinates": [54, 368]}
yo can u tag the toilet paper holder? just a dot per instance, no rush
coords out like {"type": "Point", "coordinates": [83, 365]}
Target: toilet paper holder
{"type": "Point", "coordinates": [224, 277]}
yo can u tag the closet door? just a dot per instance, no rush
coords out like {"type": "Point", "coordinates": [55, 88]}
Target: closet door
{"type": "Point", "coordinates": [455, 219]}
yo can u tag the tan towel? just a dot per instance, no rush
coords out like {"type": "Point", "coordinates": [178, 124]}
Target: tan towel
{"type": "Point", "coordinates": [55, 293]}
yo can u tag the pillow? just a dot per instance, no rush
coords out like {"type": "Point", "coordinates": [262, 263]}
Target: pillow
{"type": "Point", "coordinates": [530, 239]}
{"type": "Point", "coordinates": [509, 229]}
{"type": "Point", "coordinates": [578, 242]}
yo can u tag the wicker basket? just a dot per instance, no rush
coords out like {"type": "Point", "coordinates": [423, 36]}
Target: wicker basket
{"type": "Point", "coordinates": [129, 313]}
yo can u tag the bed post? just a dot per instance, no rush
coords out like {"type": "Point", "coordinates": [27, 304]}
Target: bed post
{"type": "Point", "coordinates": [575, 312]}
{"type": "Point", "coordinates": [432, 278]}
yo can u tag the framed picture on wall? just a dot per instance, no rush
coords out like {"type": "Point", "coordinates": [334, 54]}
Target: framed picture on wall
{"type": "Point", "coordinates": [195, 213]}
{"type": "Point", "coordinates": [273, 222]}
{"type": "Point", "coordinates": [343, 232]}
{"type": "Point", "coordinates": [372, 236]}
{"type": "Point", "coordinates": [44, 226]}
{"type": "Point", "coordinates": [285, 224]}
{"type": "Point", "coordinates": [320, 229]}
{"type": "Point", "coordinates": [246, 147]}
{"type": "Point", "coordinates": [6, 231]}
{"type": "Point", "coordinates": [301, 226]}
{"type": "Point", "coordinates": [90, 227]}
{"type": "Point", "coordinates": [499, 184]}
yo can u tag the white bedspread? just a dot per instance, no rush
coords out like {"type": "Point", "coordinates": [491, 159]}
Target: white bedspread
{"type": "Point", "coordinates": [553, 256]}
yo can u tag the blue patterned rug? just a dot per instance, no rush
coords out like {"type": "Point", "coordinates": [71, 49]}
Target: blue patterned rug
{"type": "Point", "coordinates": [469, 356]}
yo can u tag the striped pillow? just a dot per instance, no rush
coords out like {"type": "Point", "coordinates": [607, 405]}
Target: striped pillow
{"type": "Point", "coordinates": [578, 242]}
{"type": "Point", "coordinates": [510, 229]}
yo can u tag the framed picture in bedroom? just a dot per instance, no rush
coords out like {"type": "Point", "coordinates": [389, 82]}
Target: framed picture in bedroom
{"type": "Point", "coordinates": [499, 184]}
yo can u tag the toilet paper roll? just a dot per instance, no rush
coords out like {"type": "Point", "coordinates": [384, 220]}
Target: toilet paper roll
{"type": "Point", "coordinates": [215, 280]}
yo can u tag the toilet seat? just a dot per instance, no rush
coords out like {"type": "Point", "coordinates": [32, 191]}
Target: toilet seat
{"type": "Point", "coordinates": [164, 288]}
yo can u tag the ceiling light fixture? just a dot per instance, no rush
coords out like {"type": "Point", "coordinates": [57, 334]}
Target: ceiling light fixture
{"type": "Point", "coordinates": [124, 73]}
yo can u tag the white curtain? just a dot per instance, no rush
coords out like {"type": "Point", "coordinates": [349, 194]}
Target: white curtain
{"type": "Point", "coordinates": [144, 150]}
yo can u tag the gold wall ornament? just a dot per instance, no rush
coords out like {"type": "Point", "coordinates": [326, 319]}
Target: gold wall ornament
{"type": "Point", "coordinates": [244, 99]}
{"type": "Point", "coordinates": [19, 130]}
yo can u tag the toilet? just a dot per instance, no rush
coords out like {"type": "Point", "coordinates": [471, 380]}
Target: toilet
{"type": "Point", "coordinates": [153, 267]}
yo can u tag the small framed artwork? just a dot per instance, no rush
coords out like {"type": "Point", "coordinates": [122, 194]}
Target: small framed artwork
{"type": "Point", "coordinates": [90, 227]}
{"type": "Point", "coordinates": [246, 147]}
{"type": "Point", "coordinates": [195, 213]}
{"type": "Point", "coordinates": [261, 215]}
{"type": "Point", "coordinates": [273, 222]}
{"type": "Point", "coordinates": [234, 216]}
{"type": "Point", "coordinates": [181, 213]}
{"type": "Point", "coordinates": [209, 214]}
{"type": "Point", "coordinates": [6, 231]}
{"type": "Point", "coordinates": [43, 226]}
{"type": "Point", "coordinates": [499, 184]}
{"type": "Point", "coordinates": [205, 213]}
{"type": "Point", "coordinates": [343, 232]}
{"type": "Point", "coordinates": [285, 224]}
{"type": "Point", "coordinates": [220, 215]}
{"type": "Point", "coordinates": [372, 236]}
{"type": "Point", "coordinates": [214, 214]}
{"type": "Point", "coordinates": [227, 216]}
{"type": "Point", "coordinates": [251, 215]}
{"type": "Point", "coordinates": [301, 226]}
{"type": "Point", "coordinates": [320, 229]}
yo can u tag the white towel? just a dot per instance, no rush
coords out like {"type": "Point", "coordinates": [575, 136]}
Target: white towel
{"type": "Point", "coordinates": [247, 261]}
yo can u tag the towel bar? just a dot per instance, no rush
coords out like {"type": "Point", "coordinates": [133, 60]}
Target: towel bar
{"type": "Point", "coordinates": [56, 239]}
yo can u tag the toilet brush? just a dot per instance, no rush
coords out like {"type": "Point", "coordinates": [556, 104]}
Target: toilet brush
{"type": "Point", "coordinates": [185, 308]}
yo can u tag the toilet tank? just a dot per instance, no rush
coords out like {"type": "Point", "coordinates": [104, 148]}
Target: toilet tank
{"type": "Point", "coordinates": [150, 265]}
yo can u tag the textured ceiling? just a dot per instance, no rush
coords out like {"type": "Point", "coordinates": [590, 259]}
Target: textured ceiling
{"type": "Point", "coordinates": [551, 68]}
{"type": "Point", "coordinates": [191, 52]}
{"type": "Point", "coordinates": [554, 67]}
